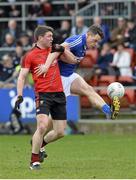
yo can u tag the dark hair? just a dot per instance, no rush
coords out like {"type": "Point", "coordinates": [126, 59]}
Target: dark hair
{"type": "Point", "coordinates": [41, 30]}
{"type": "Point", "coordinates": [94, 29]}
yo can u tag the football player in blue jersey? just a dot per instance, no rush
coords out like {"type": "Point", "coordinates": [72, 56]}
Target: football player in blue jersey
{"type": "Point", "coordinates": [73, 83]}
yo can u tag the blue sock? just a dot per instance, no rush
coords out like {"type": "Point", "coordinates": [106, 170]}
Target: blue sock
{"type": "Point", "coordinates": [106, 109]}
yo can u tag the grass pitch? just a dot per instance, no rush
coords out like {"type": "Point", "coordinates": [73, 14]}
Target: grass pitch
{"type": "Point", "coordinates": [90, 156]}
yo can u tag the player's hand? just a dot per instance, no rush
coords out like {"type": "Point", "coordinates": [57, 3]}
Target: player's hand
{"type": "Point", "coordinates": [41, 69]}
{"type": "Point", "coordinates": [18, 102]}
{"type": "Point", "coordinates": [57, 48]}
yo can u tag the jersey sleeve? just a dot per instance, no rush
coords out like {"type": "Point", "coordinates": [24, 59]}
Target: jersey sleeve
{"type": "Point", "coordinates": [26, 61]}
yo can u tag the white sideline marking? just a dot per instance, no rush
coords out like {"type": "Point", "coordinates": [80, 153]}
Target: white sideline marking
{"type": "Point", "coordinates": [98, 121]}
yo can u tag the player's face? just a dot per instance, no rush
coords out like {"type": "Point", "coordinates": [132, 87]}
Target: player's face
{"type": "Point", "coordinates": [93, 40]}
{"type": "Point", "coordinates": [47, 39]}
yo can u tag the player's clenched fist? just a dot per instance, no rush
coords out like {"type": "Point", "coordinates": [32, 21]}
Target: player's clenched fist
{"type": "Point", "coordinates": [57, 48]}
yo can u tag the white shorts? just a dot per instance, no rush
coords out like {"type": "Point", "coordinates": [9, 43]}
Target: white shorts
{"type": "Point", "coordinates": [67, 81]}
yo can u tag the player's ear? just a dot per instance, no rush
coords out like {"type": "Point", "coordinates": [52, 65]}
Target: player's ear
{"type": "Point", "coordinates": [40, 37]}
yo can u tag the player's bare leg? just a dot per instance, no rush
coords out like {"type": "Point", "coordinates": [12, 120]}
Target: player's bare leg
{"type": "Point", "coordinates": [80, 87]}
{"type": "Point", "coordinates": [42, 127]}
{"type": "Point", "coordinates": [57, 132]}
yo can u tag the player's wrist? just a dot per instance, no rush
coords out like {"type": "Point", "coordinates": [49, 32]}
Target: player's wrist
{"type": "Point", "coordinates": [45, 68]}
{"type": "Point", "coordinates": [20, 98]}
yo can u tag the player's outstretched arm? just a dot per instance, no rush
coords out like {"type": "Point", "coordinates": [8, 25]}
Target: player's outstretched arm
{"type": "Point", "coordinates": [43, 68]}
{"type": "Point", "coordinates": [68, 56]}
{"type": "Point", "coordinates": [57, 50]}
{"type": "Point", "coordinates": [20, 85]}
{"type": "Point", "coordinates": [64, 53]}
{"type": "Point", "coordinates": [21, 80]}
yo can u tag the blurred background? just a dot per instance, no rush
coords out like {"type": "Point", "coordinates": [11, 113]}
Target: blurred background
{"type": "Point", "coordinates": [99, 68]}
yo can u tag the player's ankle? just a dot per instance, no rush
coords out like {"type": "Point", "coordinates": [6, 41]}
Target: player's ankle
{"type": "Point", "coordinates": [35, 158]}
{"type": "Point", "coordinates": [43, 144]}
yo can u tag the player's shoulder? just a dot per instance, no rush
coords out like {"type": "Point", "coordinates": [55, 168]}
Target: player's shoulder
{"type": "Point", "coordinates": [73, 38]}
{"type": "Point", "coordinates": [29, 53]}
{"type": "Point", "coordinates": [75, 41]}
{"type": "Point", "coordinates": [27, 56]}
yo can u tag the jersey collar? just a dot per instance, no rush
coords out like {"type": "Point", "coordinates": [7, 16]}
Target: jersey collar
{"type": "Point", "coordinates": [37, 46]}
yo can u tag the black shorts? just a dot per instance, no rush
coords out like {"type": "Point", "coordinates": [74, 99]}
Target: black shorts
{"type": "Point", "coordinates": [53, 103]}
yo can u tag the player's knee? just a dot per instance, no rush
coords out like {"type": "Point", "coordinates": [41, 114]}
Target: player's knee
{"type": "Point", "coordinates": [88, 90]}
{"type": "Point", "coordinates": [41, 128]}
{"type": "Point", "coordinates": [91, 89]}
{"type": "Point", "coordinates": [42, 124]}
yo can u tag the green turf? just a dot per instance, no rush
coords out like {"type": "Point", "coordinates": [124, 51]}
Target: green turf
{"type": "Point", "coordinates": [90, 156]}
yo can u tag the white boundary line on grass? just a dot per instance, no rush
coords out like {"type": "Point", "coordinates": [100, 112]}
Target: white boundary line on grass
{"type": "Point", "coordinates": [98, 121]}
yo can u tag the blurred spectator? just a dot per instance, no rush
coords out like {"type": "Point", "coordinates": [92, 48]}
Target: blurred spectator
{"type": "Point", "coordinates": [134, 76]}
{"type": "Point", "coordinates": [121, 64]}
{"type": "Point", "coordinates": [133, 10]}
{"type": "Point", "coordinates": [103, 63]}
{"type": "Point", "coordinates": [18, 55]}
{"type": "Point", "coordinates": [104, 60]}
{"type": "Point", "coordinates": [79, 27]}
{"type": "Point", "coordinates": [35, 10]}
{"type": "Point", "coordinates": [117, 34]}
{"type": "Point", "coordinates": [98, 21]}
{"type": "Point", "coordinates": [40, 21]}
{"type": "Point", "coordinates": [103, 11]}
{"type": "Point", "coordinates": [15, 125]}
{"type": "Point", "coordinates": [2, 12]}
{"type": "Point", "coordinates": [65, 10]}
{"type": "Point", "coordinates": [63, 32]}
{"type": "Point", "coordinates": [130, 35]}
{"type": "Point", "coordinates": [74, 128]}
{"type": "Point", "coordinates": [25, 40]}
{"type": "Point", "coordinates": [109, 9]}
{"type": "Point", "coordinates": [115, 8]}
{"type": "Point", "coordinates": [46, 8]}
{"type": "Point", "coordinates": [8, 74]}
{"type": "Point", "coordinates": [14, 11]}
{"type": "Point", "coordinates": [12, 29]}
{"type": "Point", "coordinates": [82, 3]}
{"type": "Point", "coordinates": [32, 25]}
{"type": "Point", "coordinates": [9, 41]}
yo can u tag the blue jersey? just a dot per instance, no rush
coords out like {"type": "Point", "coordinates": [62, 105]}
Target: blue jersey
{"type": "Point", "coordinates": [77, 46]}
